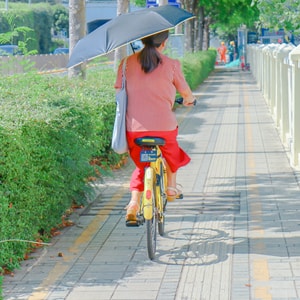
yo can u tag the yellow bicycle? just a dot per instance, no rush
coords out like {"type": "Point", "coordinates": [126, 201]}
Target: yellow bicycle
{"type": "Point", "coordinates": [154, 199]}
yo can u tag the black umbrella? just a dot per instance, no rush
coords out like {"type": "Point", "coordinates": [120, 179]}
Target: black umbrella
{"type": "Point", "coordinates": [125, 29]}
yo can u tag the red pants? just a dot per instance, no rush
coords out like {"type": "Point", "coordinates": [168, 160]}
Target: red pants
{"type": "Point", "coordinates": [171, 151]}
{"type": "Point", "coordinates": [223, 57]}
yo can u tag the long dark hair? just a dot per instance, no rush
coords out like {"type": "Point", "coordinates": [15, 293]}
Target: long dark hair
{"type": "Point", "coordinates": [149, 57]}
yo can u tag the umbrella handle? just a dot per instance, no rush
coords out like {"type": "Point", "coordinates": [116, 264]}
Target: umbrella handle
{"type": "Point", "coordinates": [132, 48]}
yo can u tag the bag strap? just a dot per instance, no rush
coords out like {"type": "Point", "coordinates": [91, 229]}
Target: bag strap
{"type": "Point", "coordinates": [123, 73]}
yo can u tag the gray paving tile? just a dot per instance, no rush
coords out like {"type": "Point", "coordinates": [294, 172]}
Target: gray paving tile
{"type": "Point", "coordinates": [234, 236]}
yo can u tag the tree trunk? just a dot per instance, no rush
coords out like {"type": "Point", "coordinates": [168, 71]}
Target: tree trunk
{"type": "Point", "coordinates": [189, 26]}
{"type": "Point", "coordinates": [201, 27]}
{"type": "Point", "coordinates": [191, 32]}
{"type": "Point", "coordinates": [77, 30]}
{"type": "Point", "coordinates": [206, 34]}
{"type": "Point", "coordinates": [122, 8]}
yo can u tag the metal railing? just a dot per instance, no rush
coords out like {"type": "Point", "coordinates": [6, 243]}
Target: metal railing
{"type": "Point", "coordinates": [10, 65]}
{"type": "Point", "coordinates": [45, 63]}
{"type": "Point", "coordinates": [276, 68]}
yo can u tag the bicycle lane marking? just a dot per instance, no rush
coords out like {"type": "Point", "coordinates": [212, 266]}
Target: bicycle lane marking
{"type": "Point", "coordinates": [61, 268]}
{"type": "Point", "coordinates": [260, 268]}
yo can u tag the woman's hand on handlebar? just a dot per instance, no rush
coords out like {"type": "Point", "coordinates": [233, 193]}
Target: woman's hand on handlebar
{"type": "Point", "coordinates": [184, 102]}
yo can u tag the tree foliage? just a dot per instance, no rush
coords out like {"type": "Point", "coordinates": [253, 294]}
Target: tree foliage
{"type": "Point", "coordinates": [231, 15]}
{"type": "Point", "coordinates": [280, 14]}
{"type": "Point", "coordinates": [32, 25]}
{"type": "Point", "coordinates": [60, 19]}
{"type": "Point", "coordinates": [17, 26]}
{"type": "Point", "coordinates": [222, 16]}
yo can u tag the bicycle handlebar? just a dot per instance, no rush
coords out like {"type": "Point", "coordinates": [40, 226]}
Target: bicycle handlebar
{"type": "Point", "coordinates": [180, 101]}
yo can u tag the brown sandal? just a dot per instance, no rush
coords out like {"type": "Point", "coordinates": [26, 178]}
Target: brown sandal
{"type": "Point", "coordinates": [132, 210]}
{"type": "Point", "coordinates": [175, 193]}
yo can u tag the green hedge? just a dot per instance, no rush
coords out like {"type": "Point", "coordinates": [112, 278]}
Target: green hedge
{"type": "Point", "coordinates": [197, 66]}
{"type": "Point", "coordinates": [50, 129]}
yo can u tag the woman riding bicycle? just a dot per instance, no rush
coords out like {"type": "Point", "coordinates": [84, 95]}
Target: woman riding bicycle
{"type": "Point", "coordinates": [152, 81]}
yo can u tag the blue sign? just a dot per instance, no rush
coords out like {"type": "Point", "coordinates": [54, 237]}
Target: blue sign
{"type": "Point", "coordinates": [153, 3]}
{"type": "Point", "coordinates": [174, 3]}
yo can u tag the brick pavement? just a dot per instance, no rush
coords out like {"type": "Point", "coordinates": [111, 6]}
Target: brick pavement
{"type": "Point", "coordinates": [234, 236]}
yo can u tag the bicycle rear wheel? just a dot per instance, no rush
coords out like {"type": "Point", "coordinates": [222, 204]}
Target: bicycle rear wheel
{"type": "Point", "coordinates": [150, 211]}
{"type": "Point", "coordinates": [151, 236]}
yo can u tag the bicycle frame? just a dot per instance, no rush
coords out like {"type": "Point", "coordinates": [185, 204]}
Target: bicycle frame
{"type": "Point", "coordinates": [154, 197]}
{"type": "Point", "coordinates": [152, 185]}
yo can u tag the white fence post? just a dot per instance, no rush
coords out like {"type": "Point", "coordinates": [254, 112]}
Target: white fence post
{"type": "Point", "coordinates": [282, 92]}
{"type": "Point", "coordinates": [277, 71]}
{"type": "Point", "coordinates": [268, 72]}
{"type": "Point", "coordinates": [255, 58]}
{"type": "Point", "coordinates": [281, 108]}
{"type": "Point", "coordinates": [294, 57]}
{"type": "Point", "coordinates": [264, 69]}
{"type": "Point", "coordinates": [259, 63]}
{"type": "Point", "coordinates": [272, 78]}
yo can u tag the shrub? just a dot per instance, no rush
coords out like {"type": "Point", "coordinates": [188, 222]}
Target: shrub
{"type": "Point", "coordinates": [197, 66]}
{"type": "Point", "coordinates": [50, 129]}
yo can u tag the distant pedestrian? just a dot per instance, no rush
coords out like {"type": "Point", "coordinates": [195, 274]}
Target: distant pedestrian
{"type": "Point", "coordinates": [222, 52]}
{"type": "Point", "coordinates": [231, 51]}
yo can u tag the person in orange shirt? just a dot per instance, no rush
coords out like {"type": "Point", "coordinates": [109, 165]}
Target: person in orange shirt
{"type": "Point", "coordinates": [222, 52]}
{"type": "Point", "coordinates": [152, 80]}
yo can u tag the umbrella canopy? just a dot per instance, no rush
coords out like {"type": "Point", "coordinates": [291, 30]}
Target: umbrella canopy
{"type": "Point", "coordinates": [125, 29]}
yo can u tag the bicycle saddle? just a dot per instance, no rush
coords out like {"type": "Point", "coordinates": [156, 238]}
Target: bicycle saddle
{"type": "Point", "coordinates": [150, 141]}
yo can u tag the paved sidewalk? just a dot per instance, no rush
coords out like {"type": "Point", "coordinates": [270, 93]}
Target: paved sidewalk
{"type": "Point", "coordinates": [235, 235]}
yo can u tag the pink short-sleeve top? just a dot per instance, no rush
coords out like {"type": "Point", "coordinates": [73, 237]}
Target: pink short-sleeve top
{"type": "Point", "coordinates": [151, 96]}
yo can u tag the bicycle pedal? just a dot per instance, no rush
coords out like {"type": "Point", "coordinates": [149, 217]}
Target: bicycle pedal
{"type": "Point", "coordinates": [135, 223]}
